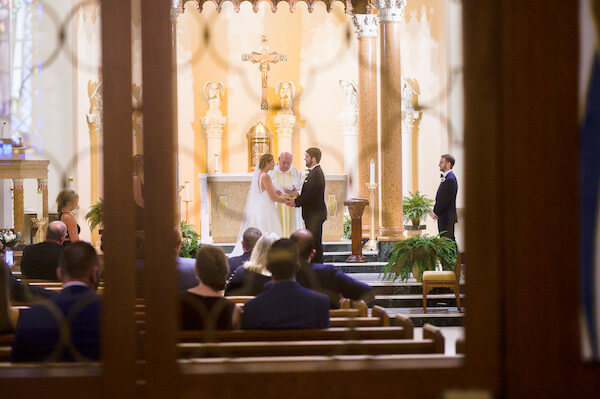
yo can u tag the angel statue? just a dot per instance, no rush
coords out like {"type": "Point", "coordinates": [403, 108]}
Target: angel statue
{"type": "Point", "coordinates": [213, 91]}
{"type": "Point", "coordinates": [286, 92]}
{"type": "Point", "coordinates": [351, 93]}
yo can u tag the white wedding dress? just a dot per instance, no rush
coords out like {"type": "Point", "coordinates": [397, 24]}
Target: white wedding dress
{"type": "Point", "coordinates": [260, 212]}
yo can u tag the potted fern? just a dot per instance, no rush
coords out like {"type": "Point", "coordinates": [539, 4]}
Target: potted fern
{"type": "Point", "coordinates": [95, 215]}
{"type": "Point", "coordinates": [418, 254]}
{"type": "Point", "coordinates": [415, 208]}
{"type": "Point", "coordinates": [189, 244]}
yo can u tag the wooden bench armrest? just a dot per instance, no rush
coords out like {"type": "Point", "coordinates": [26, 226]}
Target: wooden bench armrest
{"type": "Point", "coordinates": [401, 320]}
{"type": "Point", "coordinates": [434, 333]}
{"type": "Point", "coordinates": [380, 313]}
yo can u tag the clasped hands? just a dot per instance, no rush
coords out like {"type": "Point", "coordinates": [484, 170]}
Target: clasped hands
{"type": "Point", "coordinates": [289, 202]}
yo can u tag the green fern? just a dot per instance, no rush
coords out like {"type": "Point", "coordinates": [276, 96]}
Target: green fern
{"type": "Point", "coordinates": [95, 215]}
{"type": "Point", "coordinates": [424, 251]}
{"type": "Point", "coordinates": [190, 243]}
{"type": "Point", "coordinates": [416, 207]}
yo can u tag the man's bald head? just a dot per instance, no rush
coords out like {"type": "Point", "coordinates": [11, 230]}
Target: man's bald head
{"type": "Point", "coordinates": [285, 161]}
{"type": "Point", "coordinates": [56, 231]}
{"type": "Point", "coordinates": [306, 244]}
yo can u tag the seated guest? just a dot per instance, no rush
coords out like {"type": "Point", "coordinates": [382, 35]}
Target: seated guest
{"type": "Point", "coordinates": [252, 277]}
{"type": "Point", "coordinates": [249, 238]}
{"type": "Point", "coordinates": [203, 306]}
{"type": "Point", "coordinates": [38, 332]}
{"type": "Point", "coordinates": [8, 315]}
{"type": "Point", "coordinates": [66, 202]}
{"type": "Point", "coordinates": [285, 304]}
{"type": "Point", "coordinates": [326, 279]}
{"type": "Point", "coordinates": [186, 267]}
{"type": "Point", "coordinates": [41, 260]}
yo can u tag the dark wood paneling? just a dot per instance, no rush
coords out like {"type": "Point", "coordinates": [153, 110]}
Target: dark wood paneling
{"type": "Point", "coordinates": [118, 325]}
{"type": "Point", "coordinates": [160, 184]}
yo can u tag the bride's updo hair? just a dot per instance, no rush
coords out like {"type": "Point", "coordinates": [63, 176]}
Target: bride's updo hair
{"type": "Point", "coordinates": [264, 160]}
{"type": "Point", "coordinates": [258, 259]}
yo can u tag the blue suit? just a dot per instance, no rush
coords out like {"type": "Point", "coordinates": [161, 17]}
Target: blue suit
{"type": "Point", "coordinates": [286, 305]}
{"type": "Point", "coordinates": [331, 281]}
{"type": "Point", "coordinates": [186, 273]}
{"type": "Point", "coordinates": [37, 332]}
{"type": "Point", "coordinates": [445, 205]}
{"type": "Point", "coordinates": [237, 261]}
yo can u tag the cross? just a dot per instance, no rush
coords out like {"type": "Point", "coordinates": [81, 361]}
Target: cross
{"type": "Point", "coordinates": [264, 59]}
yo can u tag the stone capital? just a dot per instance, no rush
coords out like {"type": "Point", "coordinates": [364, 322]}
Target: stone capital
{"type": "Point", "coordinates": [390, 10]}
{"type": "Point", "coordinates": [366, 24]}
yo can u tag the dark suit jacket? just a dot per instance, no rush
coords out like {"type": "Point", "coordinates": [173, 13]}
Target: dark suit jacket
{"type": "Point", "coordinates": [237, 261]}
{"type": "Point", "coordinates": [37, 332]}
{"type": "Point", "coordinates": [331, 281]}
{"type": "Point", "coordinates": [41, 260]}
{"type": "Point", "coordinates": [312, 197]}
{"type": "Point", "coordinates": [245, 282]}
{"type": "Point", "coordinates": [445, 201]}
{"type": "Point", "coordinates": [186, 273]}
{"type": "Point", "coordinates": [286, 305]}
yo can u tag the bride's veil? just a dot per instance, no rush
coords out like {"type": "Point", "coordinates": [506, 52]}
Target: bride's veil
{"type": "Point", "coordinates": [248, 219]}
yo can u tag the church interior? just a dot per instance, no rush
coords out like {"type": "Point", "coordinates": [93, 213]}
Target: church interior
{"type": "Point", "coordinates": [202, 89]}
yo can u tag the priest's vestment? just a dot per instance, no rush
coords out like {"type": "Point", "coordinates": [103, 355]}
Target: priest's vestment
{"type": "Point", "coordinates": [291, 218]}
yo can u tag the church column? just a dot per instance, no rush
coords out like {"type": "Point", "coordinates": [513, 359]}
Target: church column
{"type": "Point", "coordinates": [18, 210]}
{"type": "Point", "coordinates": [390, 15]}
{"type": "Point", "coordinates": [366, 30]}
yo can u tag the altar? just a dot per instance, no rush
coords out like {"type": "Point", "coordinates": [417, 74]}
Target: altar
{"type": "Point", "coordinates": [223, 197]}
{"type": "Point", "coordinates": [18, 169]}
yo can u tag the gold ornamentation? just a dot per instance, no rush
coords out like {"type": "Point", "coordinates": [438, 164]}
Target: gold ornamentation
{"type": "Point", "coordinates": [331, 205]}
{"type": "Point", "coordinates": [222, 206]}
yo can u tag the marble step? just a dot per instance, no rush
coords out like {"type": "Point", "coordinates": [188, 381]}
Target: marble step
{"type": "Point", "coordinates": [363, 268]}
{"type": "Point", "coordinates": [341, 256]}
{"type": "Point", "coordinates": [409, 301]}
{"type": "Point", "coordinates": [440, 317]}
{"type": "Point", "coordinates": [385, 287]}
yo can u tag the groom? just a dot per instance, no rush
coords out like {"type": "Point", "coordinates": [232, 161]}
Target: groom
{"type": "Point", "coordinates": [312, 200]}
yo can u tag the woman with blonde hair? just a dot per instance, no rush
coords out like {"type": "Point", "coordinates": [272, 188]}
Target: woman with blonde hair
{"type": "Point", "coordinates": [66, 202]}
{"type": "Point", "coordinates": [252, 277]}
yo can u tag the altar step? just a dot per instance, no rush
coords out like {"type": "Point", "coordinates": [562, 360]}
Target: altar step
{"type": "Point", "coordinates": [440, 317]}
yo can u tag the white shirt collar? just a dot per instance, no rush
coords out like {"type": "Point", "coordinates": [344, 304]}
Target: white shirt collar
{"type": "Point", "coordinates": [446, 173]}
{"type": "Point", "coordinates": [74, 283]}
{"type": "Point", "coordinates": [312, 167]}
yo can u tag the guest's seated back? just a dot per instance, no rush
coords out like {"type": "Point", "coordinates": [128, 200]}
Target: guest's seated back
{"type": "Point", "coordinates": [285, 304]}
{"type": "Point", "coordinates": [326, 279]}
{"type": "Point", "coordinates": [39, 335]}
{"type": "Point", "coordinates": [41, 260]}
{"type": "Point", "coordinates": [203, 306]}
{"type": "Point", "coordinates": [8, 315]}
{"type": "Point", "coordinates": [252, 277]}
{"type": "Point", "coordinates": [249, 239]}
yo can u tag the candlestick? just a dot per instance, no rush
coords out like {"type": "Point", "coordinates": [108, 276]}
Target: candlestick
{"type": "Point", "coordinates": [216, 163]}
{"type": "Point", "coordinates": [372, 243]}
{"type": "Point", "coordinates": [372, 172]}
{"type": "Point", "coordinates": [187, 191]}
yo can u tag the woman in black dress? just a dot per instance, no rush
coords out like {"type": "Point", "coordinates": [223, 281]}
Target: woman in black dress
{"type": "Point", "coordinates": [66, 202]}
{"type": "Point", "coordinates": [203, 306]}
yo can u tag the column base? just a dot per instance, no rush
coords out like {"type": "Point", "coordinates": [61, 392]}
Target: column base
{"type": "Point", "coordinates": [391, 234]}
{"type": "Point", "coordinates": [356, 259]}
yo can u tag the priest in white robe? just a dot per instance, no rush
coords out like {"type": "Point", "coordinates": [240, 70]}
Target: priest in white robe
{"type": "Point", "coordinates": [288, 180]}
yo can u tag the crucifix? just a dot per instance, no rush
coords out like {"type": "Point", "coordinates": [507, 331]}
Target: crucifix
{"type": "Point", "coordinates": [264, 59]}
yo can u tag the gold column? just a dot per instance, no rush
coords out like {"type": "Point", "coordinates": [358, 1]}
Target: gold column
{"type": "Point", "coordinates": [18, 211]}
{"type": "Point", "coordinates": [390, 14]}
{"type": "Point", "coordinates": [366, 30]}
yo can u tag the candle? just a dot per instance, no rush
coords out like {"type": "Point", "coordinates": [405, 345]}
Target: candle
{"type": "Point", "coordinates": [216, 163]}
{"type": "Point", "coordinates": [187, 190]}
{"type": "Point", "coordinates": [39, 205]}
{"type": "Point", "coordinates": [372, 172]}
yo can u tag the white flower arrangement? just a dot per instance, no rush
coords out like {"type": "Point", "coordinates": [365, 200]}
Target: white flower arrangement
{"type": "Point", "coordinates": [9, 238]}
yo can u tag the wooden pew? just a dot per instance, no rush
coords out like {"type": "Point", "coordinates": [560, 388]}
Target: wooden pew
{"type": "Point", "coordinates": [433, 342]}
{"type": "Point", "coordinates": [336, 333]}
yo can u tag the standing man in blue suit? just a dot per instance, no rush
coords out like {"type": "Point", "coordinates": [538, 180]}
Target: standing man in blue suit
{"type": "Point", "coordinates": [38, 332]}
{"type": "Point", "coordinates": [285, 304]}
{"type": "Point", "coordinates": [444, 210]}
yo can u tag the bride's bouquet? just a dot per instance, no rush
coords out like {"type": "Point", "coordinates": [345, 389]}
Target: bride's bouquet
{"type": "Point", "coordinates": [9, 238]}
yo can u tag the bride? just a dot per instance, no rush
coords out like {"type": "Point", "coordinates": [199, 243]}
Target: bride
{"type": "Point", "coordinates": [261, 210]}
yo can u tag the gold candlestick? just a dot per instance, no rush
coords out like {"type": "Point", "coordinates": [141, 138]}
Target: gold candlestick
{"type": "Point", "coordinates": [372, 243]}
{"type": "Point", "coordinates": [187, 210]}
{"type": "Point", "coordinates": [40, 224]}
